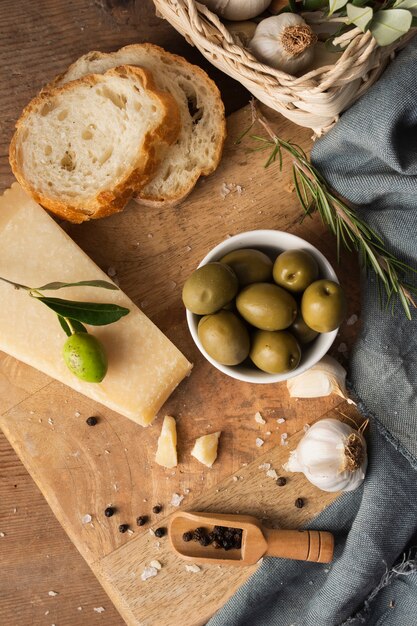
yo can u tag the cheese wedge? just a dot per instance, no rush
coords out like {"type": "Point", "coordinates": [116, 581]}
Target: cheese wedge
{"type": "Point", "coordinates": [144, 366]}
{"type": "Point", "coordinates": [166, 454]}
{"type": "Point", "coordinates": [205, 448]}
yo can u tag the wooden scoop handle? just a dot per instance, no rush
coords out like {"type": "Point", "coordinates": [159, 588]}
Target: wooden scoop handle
{"type": "Point", "coordinates": [302, 545]}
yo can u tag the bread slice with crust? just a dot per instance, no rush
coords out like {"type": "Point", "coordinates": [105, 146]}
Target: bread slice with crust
{"type": "Point", "coordinates": [199, 146]}
{"type": "Point", "coordinates": [82, 150]}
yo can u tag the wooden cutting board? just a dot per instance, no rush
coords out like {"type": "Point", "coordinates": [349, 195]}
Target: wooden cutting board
{"type": "Point", "coordinates": [81, 470]}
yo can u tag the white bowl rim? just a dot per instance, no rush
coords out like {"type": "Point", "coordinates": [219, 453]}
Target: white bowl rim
{"type": "Point", "coordinates": [246, 239]}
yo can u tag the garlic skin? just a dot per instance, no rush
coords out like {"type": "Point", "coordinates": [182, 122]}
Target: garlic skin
{"type": "Point", "coordinates": [284, 42]}
{"type": "Point", "coordinates": [324, 378]}
{"type": "Point", "coordinates": [237, 9]}
{"type": "Point", "coordinates": [331, 455]}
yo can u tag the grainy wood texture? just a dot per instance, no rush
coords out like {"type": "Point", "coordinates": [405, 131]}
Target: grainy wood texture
{"type": "Point", "coordinates": [81, 470]}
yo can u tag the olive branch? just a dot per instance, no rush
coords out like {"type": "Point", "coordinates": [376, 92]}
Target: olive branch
{"type": "Point", "coordinates": [315, 194]}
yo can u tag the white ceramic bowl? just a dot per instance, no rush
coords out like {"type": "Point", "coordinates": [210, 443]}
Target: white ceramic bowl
{"type": "Point", "coordinates": [272, 242]}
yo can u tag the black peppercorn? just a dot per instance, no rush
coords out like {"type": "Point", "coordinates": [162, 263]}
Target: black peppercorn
{"type": "Point", "coordinates": [157, 508]}
{"type": "Point", "coordinates": [109, 511]}
{"type": "Point", "coordinates": [299, 503]}
{"type": "Point", "coordinates": [281, 481]}
{"type": "Point", "coordinates": [187, 536]}
{"type": "Point", "coordinates": [160, 532]}
{"type": "Point", "coordinates": [141, 520]}
{"type": "Point", "coordinates": [91, 421]}
{"type": "Point", "coordinates": [123, 528]}
{"type": "Point", "coordinates": [204, 540]}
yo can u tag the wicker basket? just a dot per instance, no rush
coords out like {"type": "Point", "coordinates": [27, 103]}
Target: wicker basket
{"type": "Point", "coordinates": [313, 100]}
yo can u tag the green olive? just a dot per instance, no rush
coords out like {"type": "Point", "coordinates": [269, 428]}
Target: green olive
{"type": "Point", "coordinates": [323, 305]}
{"type": "Point", "coordinates": [275, 352]}
{"type": "Point", "coordinates": [295, 270]}
{"type": "Point", "coordinates": [302, 332]}
{"type": "Point", "coordinates": [250, 266]}
{"type": "Point", "coordinates": [266, 306]}
{"type": "Point", "coordinates": [224, 337]}
{"type": "Point", "coordinates": [209, 288]}
{"type": "Point", "coordinates": [85, 356]}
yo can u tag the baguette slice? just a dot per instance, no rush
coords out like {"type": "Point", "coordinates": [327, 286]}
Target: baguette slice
{"type": "Point", "coordinates": [83, 150]}
{"type": "Point", "coordinates": [199, 146]}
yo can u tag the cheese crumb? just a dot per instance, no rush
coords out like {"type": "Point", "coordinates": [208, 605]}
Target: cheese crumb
{"type": "Point", "coordinates": [156, 564]}
{"type": "Point", "coordinates": [205, 448]}
{"type": "Point", "coordinates": [176, 499]}
{"type": "Point", "coordinates": [52, 593]}
{"type": "Point", "coordinates": [148, 572]}
{"type": "Point", "coordinates": [99, 609]}
{"type": "Point", "coordinates": [2, 534]}
{"type": "Point", "coordinates": [259, 418]}
{"type": "Point", "coordinates": [193, 568]}
{"type": "Point", "coordinates": [272, 474]}
{"type": "Point", "coordinates": [166, 454]}
{"type": "Point", "coordinates": [259, 442]}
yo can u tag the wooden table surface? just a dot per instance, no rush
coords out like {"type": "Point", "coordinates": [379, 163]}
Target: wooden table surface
{"type": "Point", "coordinates": [38, 40]}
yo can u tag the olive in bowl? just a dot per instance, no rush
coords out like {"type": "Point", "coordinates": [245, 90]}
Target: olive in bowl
{"type": "Point", "coordinates": [272, 355]}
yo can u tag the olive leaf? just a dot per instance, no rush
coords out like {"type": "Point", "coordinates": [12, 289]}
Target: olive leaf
{"type": "Point", "coordinates": [411, 5]}
{"type": "Point", "coordinates": [335, 5]}
{"type": "Point", "coordinates": [103, 284]}
{"type": "Point", "coordinates": [77, 326]}
{"type": "Point", "coordinates": [389, 25]}
{"type": "Point", "coordinates": [360, 16]}
{"type": "Point", "coordinates": [313, 5]}
{"type": "Point", "coordinates": [93, 313]}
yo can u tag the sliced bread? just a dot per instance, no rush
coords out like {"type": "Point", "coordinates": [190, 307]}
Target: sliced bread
{"type": "Point", "coordinates": [82, 150]}
{"type": "Point", "coordinates": [203, 128]}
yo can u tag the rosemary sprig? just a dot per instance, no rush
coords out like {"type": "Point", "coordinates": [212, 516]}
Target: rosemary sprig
{"type": "Point", "coordinates": [315, 194]}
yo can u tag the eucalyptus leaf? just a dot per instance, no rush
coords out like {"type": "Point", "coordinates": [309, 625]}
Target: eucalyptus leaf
{"type": "Point", "coordinates": [77, 326]}
{"type": "Point", "coordinates": [103, 284]}
{"type": "Point", "coordinates": [411, 5]}
{"type": "Point", "coordinates": [389, 25]}
{"type": "Point", "coordinates": [360, 16]}
{"type": "Point", "coordinates": [335, 5]}
{"type": "Point", "coordinates": [93, 313]}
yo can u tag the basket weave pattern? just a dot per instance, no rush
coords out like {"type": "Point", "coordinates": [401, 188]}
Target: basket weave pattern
{"type": "Point", "coordinates": [313, 100]}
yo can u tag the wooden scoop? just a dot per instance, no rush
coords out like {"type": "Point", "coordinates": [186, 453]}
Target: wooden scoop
{"type": "Point", "coordinates": [257, 541]}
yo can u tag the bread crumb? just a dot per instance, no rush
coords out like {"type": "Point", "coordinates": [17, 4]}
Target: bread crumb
{"type": "Point", "coordinates": [193, 568]}
{"type": "Point", "coordinates": [259, 418]}
{"type": "Point", "coordinates": [259, 442]}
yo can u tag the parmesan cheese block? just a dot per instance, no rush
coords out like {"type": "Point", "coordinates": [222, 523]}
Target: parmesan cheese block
{"type": "Point", "coordinates": [166, 454]}
{"type": "Point", "coordinates": [205, 448]}
{"type": "Point", "coordinates": [144, 366]}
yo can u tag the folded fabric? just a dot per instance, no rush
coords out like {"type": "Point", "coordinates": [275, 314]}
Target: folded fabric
{"type": "Point", "coordinates": [369, 157]}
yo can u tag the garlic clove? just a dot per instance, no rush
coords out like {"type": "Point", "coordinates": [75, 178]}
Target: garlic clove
{"type": "Point", "coordinates": [323, 379]}
{"type": "Point", "coordinates": [237, 10]}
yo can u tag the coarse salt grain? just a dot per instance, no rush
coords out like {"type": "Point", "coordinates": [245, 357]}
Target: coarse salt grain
{"type": "Point", "coordinates": [77, 414]}
{"type": "Point", "coordinates": [111, 271]}
{"type": "Point", "coordinates": [152, 532]}
{"type": "Point", "coordinates": [86, 519]}
{"type": "Point", "coordinates": [281, 420]}
{"type": "Point", "coordinates": [2, 534]}
{"type": "Point", "coordinates": [193, 568]}
{"type": "Point", "coordinates": [272, 474]}
{"type": "Point", "coordinates": [99, 609]}
{"type": "Point", "coordinates": [259, 442]}
{"type": "Point", "coordinates": [352, 320]}
{"type": "Point", "coordinates": [50, 421]}
{"type": "Point", "coordinates": [148, 572]}
{"type": "Point", "coordinates": [259, 418]}
{"type": "Point", "coordinates": [342, 348]}
{"type": "Point", "coordinates": [268, 432]}
{"type": "Point", "coordinates": [156, 564]}
{"type": "Point", "coordinates": [52, 593]}
{"type": "Point", "coordinates": [284, 435]}
{"type": "Point", "coordinates": [235, 478]}
{"type": "Point", "coordinates": [265, 466]}
{"type": "Point", "coordinates": [176, 499]}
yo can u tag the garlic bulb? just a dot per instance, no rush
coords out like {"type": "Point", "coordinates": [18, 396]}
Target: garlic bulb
{"type": "Point", "coordinates": [331, 455]}
{"type": "Point", "coordinates": [324, 378]}
{"type": "Point", "coordinates": [237, 9]}
{"type": "Point", "coordinates": [285, 42]}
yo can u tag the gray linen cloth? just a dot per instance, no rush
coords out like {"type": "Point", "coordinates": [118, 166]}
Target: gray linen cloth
{"type": "Point", "coordinates": [369, 157]}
